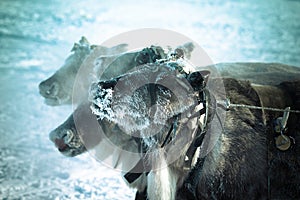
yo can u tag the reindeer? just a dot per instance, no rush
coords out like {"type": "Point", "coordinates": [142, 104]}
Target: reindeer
{"type": "Point", "coordinates": [243, 162]}
{"type": "Point", "coordinates": [218, 173]}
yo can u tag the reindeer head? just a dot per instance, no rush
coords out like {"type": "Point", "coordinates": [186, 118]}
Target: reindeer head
{"type": "Point", "coordinates": [77, 133]}
{"type": "Point", "coordinates": [58, 88]}
{"type": "Point", "coordinates": [155, 103]}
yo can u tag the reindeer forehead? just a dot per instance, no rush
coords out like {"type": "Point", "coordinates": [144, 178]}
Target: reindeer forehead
{"type": "Point", "coordinates": [148, 85]}
{"type": "Point", "coordinates": [78, 53]}
{"type": "Point", "coordinates": [156, 74]}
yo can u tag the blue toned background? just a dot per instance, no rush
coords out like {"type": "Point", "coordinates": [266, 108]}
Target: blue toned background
{"type": "Point", "coordinates": [36, 37]}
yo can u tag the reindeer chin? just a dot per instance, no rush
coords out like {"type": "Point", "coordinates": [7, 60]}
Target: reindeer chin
{"type": "Point", "coordinates": [57, 101]}
{"type": "Point", "coordinates": [51, 101]}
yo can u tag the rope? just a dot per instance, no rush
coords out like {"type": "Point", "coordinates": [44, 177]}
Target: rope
{"type": "Point", "coordinates": [229, 105]}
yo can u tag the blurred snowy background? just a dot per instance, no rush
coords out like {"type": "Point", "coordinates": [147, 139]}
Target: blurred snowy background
{"type": "Point", "coordinates": [36, 37]}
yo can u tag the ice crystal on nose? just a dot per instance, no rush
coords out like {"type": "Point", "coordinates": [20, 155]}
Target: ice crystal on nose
{"type": "Point", "coordinates": [102, 100]}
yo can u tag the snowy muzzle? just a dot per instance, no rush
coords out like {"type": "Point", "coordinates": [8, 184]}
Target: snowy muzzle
{"type": "Point", "coordinates": [146, 102]}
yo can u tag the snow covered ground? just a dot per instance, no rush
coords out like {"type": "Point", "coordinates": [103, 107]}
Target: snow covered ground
{"type": "Point", "coordinates": [36, 36]}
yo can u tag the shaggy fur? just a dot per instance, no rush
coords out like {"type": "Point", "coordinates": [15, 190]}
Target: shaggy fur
{"type": "Point", "coordinates": [245, 162]}
{"type": "Point", "coordinates": [284, 166]}
{"type": "Point", "coordinates": [237, 166]}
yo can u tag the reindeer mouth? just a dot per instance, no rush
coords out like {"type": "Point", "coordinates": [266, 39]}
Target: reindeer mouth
{"type": "Point", "coordinates": [53, 96]}
{"type": "Point", "coordinates": [69, 144]}
{"type": "Point", "coordinates": [60, 144]}
{"type": "Point", "coordinates": [56, 101]}
{"type": "Point", "coordinates": [53, 101]}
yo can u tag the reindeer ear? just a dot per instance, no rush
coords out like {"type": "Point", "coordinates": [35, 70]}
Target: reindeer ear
{"type": "Point", "coordinates": [94, 46]}
{"type": "Point", "coordinates": [159, 51]}
{"type": "Point", "coordinates": [189, 46]}
{"type": "Point", "coordinates": [75, 47]}
{"type": "Point", "coordinates": [205, 74]}
{"type": "Point", "coordinates": [185, 50]}
{"type": "Point", "coordinates": [198, 79]}
{"type": "Point", "coordinates": [83, 41]}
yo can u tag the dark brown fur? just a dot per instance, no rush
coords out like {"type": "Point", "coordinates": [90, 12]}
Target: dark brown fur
{"type": "Point", "coordinates": [245, 164]}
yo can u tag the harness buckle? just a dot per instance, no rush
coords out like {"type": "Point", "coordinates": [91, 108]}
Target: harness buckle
{"type": "Point", "coordinates": [282, 141]}
{"type": "Point", "coordinates": [280, 125]}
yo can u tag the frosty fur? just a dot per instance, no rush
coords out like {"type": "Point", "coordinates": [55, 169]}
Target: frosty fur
{"type": "Point", "coordinates": [240, 164]}
{"type": "Point", "coordinates": [225, 174]}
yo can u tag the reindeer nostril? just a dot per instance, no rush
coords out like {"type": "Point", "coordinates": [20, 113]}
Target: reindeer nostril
{"type": "Point", "coordinates": [48, 89]}
{"type": "Point", "coordinates": [48, 92]}
{"type": "Point", "coordinates": [60, 144]}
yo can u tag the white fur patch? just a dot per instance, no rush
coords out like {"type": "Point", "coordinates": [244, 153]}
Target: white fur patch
{"type": "Point", "coordinates": [161, 182]}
